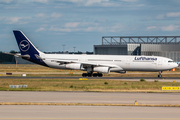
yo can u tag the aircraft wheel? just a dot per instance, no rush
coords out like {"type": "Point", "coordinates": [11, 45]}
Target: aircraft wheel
{"type": "Point", "coordinates": [84, 74]}
{"type": "Point", "coordinates": [159, 76]}
{"type": "Point", "coordinates": [95, 75]}
{"type": "Point", "coordinates": [89, 75]}
{"type": "Point", "coordinates": [100, 75]}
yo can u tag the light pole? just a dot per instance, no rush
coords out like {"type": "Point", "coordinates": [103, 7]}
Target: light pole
{"type": "Point", "coordinates": [63, 48]}
{"type": "Point", "coordinates": [74, 49]}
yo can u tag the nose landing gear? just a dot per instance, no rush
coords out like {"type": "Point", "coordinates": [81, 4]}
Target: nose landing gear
{"type": "Point", "coordinates": [160, 74]}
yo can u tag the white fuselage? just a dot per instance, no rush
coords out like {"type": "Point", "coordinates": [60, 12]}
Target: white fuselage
{"type": "Point", "coordinates": [123, 62]}
{"type": "Point", "coordinates": [92, 63]}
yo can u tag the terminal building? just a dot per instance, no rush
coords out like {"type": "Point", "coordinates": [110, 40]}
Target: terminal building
{"type": "Point", "coordinates": [166, 46]}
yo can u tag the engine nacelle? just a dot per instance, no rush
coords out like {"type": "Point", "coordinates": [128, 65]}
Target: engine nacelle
{"type": "Point", "coordinates": [75, 66]}
{"type": "Point", "coordinates": [121, 71]}
{"type": "Point", "coordinates": [101, 69]}
{"type": "Point", "coordinates": [118, 70]}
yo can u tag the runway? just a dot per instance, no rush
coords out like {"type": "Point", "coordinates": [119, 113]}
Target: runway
{"type": "Point", "coordinates": [90, 97]}
{"type": "Point", "coordinates": [12, 112]}
{"type": "Point", "coordinates": [52, 112]}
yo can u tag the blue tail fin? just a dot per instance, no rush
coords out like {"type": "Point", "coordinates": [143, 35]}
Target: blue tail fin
{"type": "Point", "coordinates": [27, 48]}
{"type": "Point", "coordinates": [24, 44]}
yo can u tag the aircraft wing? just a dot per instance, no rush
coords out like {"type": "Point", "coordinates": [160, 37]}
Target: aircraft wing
{"type": "Point", "coordinates": [65, 61]}
{"type": "Point", "coordinates": [87, 63]}
{"type": "Point", "coordinates": [98, 64]}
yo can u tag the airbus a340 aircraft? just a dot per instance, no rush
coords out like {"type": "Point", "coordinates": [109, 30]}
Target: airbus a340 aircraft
{"type": "Point", "coordinates": [92, 63]}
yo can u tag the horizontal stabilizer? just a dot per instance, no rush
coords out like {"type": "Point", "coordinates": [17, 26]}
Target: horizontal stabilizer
{"type": "Point", "coordinates": [18, 55]}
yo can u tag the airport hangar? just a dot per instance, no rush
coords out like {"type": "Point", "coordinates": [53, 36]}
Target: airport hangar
{"type": "Point", "coordinates": [166, 46]}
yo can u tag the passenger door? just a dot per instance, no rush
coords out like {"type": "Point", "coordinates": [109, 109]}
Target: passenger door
{"type": "Point", "coordinates": [160, 63]}
{"type": "Point", "coordinates": [127, 63]}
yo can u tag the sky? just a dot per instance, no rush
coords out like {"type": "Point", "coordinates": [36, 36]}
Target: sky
{"type": "Point", "coordinates": [50, 24]}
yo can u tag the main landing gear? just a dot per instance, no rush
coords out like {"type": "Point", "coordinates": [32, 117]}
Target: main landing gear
{"type": "Point", "coordinates": [91, 74]}
{"type": "Point", "coordinates": [160, 74]}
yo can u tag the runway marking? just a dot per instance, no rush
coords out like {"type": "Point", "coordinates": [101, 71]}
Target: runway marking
{"type": "Point", "coordinates": [92, 118]}
{"type": "Point", "coordinates": [88, 104]}
{"type": "Point", "coordinates": [111, 78]}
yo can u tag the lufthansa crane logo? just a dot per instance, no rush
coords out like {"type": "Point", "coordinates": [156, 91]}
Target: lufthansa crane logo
{"type": "Point", "coordinates": [24, 45]}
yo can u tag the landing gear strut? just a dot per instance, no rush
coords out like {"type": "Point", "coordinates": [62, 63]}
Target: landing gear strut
{"type": "Point", "coordinates": [91, 74]}
{"type": "Point", "coordinates": [160, 74]}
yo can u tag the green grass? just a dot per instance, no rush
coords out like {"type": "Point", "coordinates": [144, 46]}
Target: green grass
{"type": "Point", "coordinates": [79, 85]}
{"type": "Point", "coordinates": [142, 80]}
{"type": "Point", "coordinates": [76, 84]}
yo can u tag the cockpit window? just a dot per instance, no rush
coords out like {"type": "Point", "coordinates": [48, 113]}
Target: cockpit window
{"type": "Point", "coordinates": [170, 61]}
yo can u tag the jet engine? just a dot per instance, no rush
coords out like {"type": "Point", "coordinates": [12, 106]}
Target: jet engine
{"type": "Point", "coordinates": [101, 69]}
{"type": "Point", "coordinates": [76, 66]}
{"type": "Point", "coordinates": [121, 72]}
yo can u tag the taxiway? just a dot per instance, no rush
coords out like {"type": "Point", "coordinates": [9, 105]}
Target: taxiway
{"type": "Point", "coordinates": [56, 112]}
{"type": "Point", "coordinates": [90, 97]}
{"type": "Point", "coordinates": [26, 112]}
